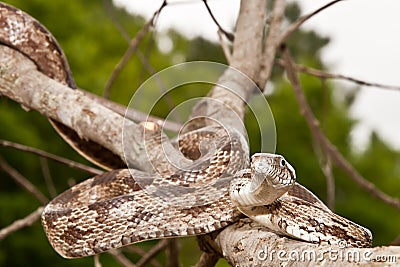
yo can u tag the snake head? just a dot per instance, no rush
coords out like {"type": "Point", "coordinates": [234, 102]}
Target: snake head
{"type": "Point", "coordinates": [273, 169]}
{"type": "Point", "coordinates": [270, 177]}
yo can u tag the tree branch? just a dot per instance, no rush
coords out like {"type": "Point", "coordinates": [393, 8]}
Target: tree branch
{"type": "Point", "coordinates": [272, 41]}
{"type": "Point", "coordinates": [22, 82]}
{"type": "Point", "coordinates": [172, 251]}
{"type": "Point", "coordinates": [18, 224]}
{"type": "Point", "coordinates": [44, 154]}
{"type": "Point", "coordinates": [48, 179]}
{"type": "Point", "coordinates": [22, 181]}
{"type": "Point", "coordinates": [295, 25]}
{"type": "Point", "coordinates": [228, 35]}
{"type": "Point", "coordinates": [326, 75]}
{"type": "Point", "coordinates": [121, 258]}
{"type": "Point", "coordinates": [247, 243]}
{"type": "Point", "coordinates": [207, 259]}
{"type": "Point", "coordinates": [245, 58]}
{"type": "Point", "coordinates": [132, 114]}
{"type": "Point", "coordinates": [225, 47]}
{"type": "Point", "coordinates": [133, 45]}
{"type": "Point", "coordinates": [320, 137]}
{"type": "Point", "coordinates": [149, 255]}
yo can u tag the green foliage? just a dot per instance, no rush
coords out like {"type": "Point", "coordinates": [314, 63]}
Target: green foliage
{"type": "Point", "coordinates": [94, 46]}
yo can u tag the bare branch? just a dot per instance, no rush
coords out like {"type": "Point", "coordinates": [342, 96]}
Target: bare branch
{"type": "Point", "coordinates": [224, 47]}
{"type": "Point", "coordinates": [294, 26]}
{"type": "Point", "coordinates": [326, 168]}
{"type": "Point", "coordinates": [247, 243]}
{"type": "Point", "coordinates": [250, 26]}
{"type": "Point", "coordinates": [272, 41]}
{"type": "Point", "coordinates": [148, 256]}
{"type": "Point", "coordinates": [168, 124]}
{"type": "Point", "coordinates": [207, 259]}
{"type": "Point", "coordinates": [228, 35]}
{"type": "Point", "coordinates": [132, 114]}
{"type": "Point", "coordinates": [22, 82]}
{"type": "Point", "coordinates": [121, 258]}
{"type": "Point", "coordinates": [320, 137]}
{"type": "Point", "coordinates": [97, 262]}
{"type": "Point", "coordinates": [131, 50]}
{"type": "Point", "coordinates": [47, 177]}
{"type": "Point", "coordinates": [18, 224]}
{"type": "Point", "coordinates": [326, 75]}
{"type": "Point", "coordinates": [111, 14]}
{"type": "Point", "coordinates": [172, 253]}
{"type": "Point", "coordinates": [396, 241]}
{"type": "Point", "coordinates": [44, 154]}
{"type": "Point", "coordinates": [22, 181]}
{"type": "Point", "coordinates": [245, 58]}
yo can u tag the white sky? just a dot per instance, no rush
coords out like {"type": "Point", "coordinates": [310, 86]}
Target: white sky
{"type": "Point", "coordinates": [365, 43]}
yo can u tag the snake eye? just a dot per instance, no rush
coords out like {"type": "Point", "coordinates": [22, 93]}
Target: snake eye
{"type": "Point", "coordinates": [282, 163]}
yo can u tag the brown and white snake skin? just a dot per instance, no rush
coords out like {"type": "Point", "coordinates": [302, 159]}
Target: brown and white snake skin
{"type": "Point", "coordinates": [125, 206]}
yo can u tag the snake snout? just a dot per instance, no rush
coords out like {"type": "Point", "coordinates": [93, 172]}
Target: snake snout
{"type": "Point", "coordinates": [275, 167]}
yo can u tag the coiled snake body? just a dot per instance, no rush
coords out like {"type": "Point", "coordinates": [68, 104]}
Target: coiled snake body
{"type": "Point", "coordinates": [125, 206]}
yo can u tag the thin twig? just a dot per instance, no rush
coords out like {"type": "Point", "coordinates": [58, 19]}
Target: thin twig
{"type": "Point", "coordinates": [97, 262]}
{"type": "Point", "coordinates": [18, 224]}
{"type": "Point", "coordinates": [228, 35]}
{"type": "Point", "coordinates": [330, 183]}
{"type": "Point", "coordinates": [320, 137]}
{"type": "Point", "coordinates": [21, 180]}
{"type": "Point", "coordinates": [207, 259]}
{"type": "Point", "coordinates": [172, 253]}
{"type": "Point", "coordinates": [110, 11]}
{"type": "Point", "coordinates": [326, 75]}
{"type": "Point", "coordinates": [224, 46]}
{"type": "Point", "coordinates": [163, 89]}
{"type": "Point", "coordinates": [149, 255]}
{"type": "Point", "coordinates": [121, 258]}
{"type": "Point", "coordinates": [44, 154]}
{"type": "Point", "coordinates": [47, 177]}
{"type": "Point", "coordinates": [134, 43]}
{"type": "Point", "coordinates": [396, 241]}
{"type": "Point", "coordinates": [295, 25]}
{"type": "Point", "coordinates": [150, 69]}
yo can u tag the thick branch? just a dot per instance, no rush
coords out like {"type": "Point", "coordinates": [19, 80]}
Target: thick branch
{"type": "Point", "coordinates": [22, 82]}
{"type": "Point", "coordinates": [247, 243]}
{"type": "Point", "coordinates": [132, 114]}
{"type": "Point", "coordinates": [272, 41]}
{"type": "Point", "coordinates": [245, 58]}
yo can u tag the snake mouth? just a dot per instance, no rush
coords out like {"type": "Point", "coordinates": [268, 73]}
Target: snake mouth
{"type": "Point", "coordinates": [280, 183]}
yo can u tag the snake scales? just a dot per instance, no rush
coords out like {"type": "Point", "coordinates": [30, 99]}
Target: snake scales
{"type": "Point", "coordinates": [125, 206]}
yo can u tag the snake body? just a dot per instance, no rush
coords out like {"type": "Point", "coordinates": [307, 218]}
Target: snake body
{"type": "Point", "coordinates": [212, 190]}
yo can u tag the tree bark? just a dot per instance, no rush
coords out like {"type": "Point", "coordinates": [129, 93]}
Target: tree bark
{"type": "Point", "coordinates": [247, 243]}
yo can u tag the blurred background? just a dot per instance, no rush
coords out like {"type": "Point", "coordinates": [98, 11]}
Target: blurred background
{"type": "Point", "coordinates": [89, 32]}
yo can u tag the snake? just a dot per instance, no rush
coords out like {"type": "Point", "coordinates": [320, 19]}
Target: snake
{"type": "Point", "coordinates": [218, 184]}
